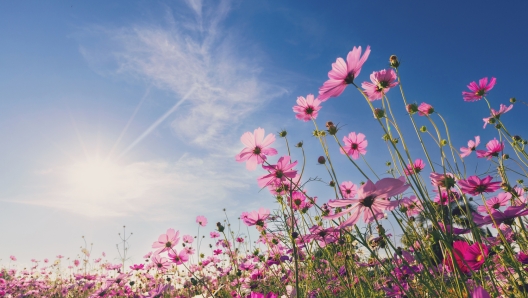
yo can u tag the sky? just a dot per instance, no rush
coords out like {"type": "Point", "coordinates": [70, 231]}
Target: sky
{"type": "Point", "coordinates": [119, 113]}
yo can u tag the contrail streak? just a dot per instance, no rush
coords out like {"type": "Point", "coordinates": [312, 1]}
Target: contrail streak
{"type": "Point", "coordinates": [158, 122]}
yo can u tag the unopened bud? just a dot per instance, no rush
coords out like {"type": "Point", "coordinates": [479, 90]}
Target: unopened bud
{"type": "Point", "coordinates": [443, 142]}
{"type": "Point", "coordinates": [386, 137]}
{"type": "Point", "coordinates": [423, 129]}
{"type": "Point", "coordinates": [498, 126]}
{"type": "Point", "coordinates": [379, 113]}
{"type": "Point", "coordinates": [283, 134]}
{"type": "Point", "coordinates": [505, 156]}
{"type": "Point", "coordinates": [299, 145]}
{"type": "Point", "coordinates": [513, 100]}
{"type": "Point", "coordinates": [321, 160]}
{"type": "Point", "coordinates": [516, 138]}
{"type": "Point", "coordinates": [393, 60]}
{"type": "Point", "coordinates": [332, 184]}
{"type": "Point", "coordinates": [412, 108]}
{"type": "Point", "coordinates": [331, 128]}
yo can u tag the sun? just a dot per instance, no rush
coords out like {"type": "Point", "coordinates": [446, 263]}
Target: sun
{"type": "Point", "coordinates": [94, 179]}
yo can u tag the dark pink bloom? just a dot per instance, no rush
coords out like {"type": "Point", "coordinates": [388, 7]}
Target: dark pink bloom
{"type": "Point", "coordinates": [443, 181]}
{"type": "Point", "coordinates": [451, 229]}
{"type": "Point", "coordinates": [278, 173]}
{"type": "Point", "coordinates": [415, 168]}
{"type": "Point", "coordinates": [497, 217]}
{"type": "Point", "coordinates": [500, 200]}
{"type": "Point", "coordinates": [343, 73]}
{"type": "Point", "coordinates": [494, 148]}
{"type": "Point", "coordinates": [522, 257]}
{"type": "Point", "coordinates": [479, 292]}
{"type": "Point", "coordinates": [475, 255]}
{"type": "Point", "coordinates": [354, 145]}
{"type": "Point", "coordinates": [256, 148]}
{"type": "Point", "coordinates": [166, 241]}
{"type": "Point", "coordinates": [348, 189]}
{"type": "Point", "coordinates": [371, 202]}
{"type": "Point", "coordinates": [458, 251]}
{"type": "Point", "coordinates": [201, 220]}
{"type": "Point", "coordinates": [470, 148]}
{"type": "Point", "coordinates": [307, 108]}
{"type": "Point", "coordinates": [382, 81]}
{"type": "Point", "coordinates": [478, 91]}
{"type": "Point", "coordinates": [496, 114]}
{"type": "Point", "coordinates": [473, 185]}
{"type": "Point", "coordinates": [425, 109]}
{"type": "Point", "coordinates": [445, 198]}
{"type": "Point", "coordinates": [137, 267]}
{"type": "Point", "coordinates": [255, 217]}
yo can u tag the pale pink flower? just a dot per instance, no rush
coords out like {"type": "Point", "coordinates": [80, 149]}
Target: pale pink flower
{"type": "Point", "coordinates": [382, 81]}
{"type": "Point", "coordinates": [500, 200]}
{"type": "Point", "coordinates": [76, 263]}
{"type": "Point", "coordinates": [472, 145]}
{"type": "Point", "coordinates": [256, 148]}
{"type": "Point", "coordinates": [478, 91]}
{"type": "Point", "coordinates": [473, 185]}
{"type": "Point", "coordinates": [166, 241]}
{"type": "Point", "coordinates": [13, 258]}
{"type": "Point", "coordinates": [494, 148]}
{"type": "Point", "coordinates": [348, 189]}
{"type": "Point", "coordinates": [278, 173]}
{"type": "Point", "coordinates": [160, 263]}
{"type": "Point", "coordinates": [188, 239]}
{"type": "Point", "coordinates": [201, 220]}
{"type": "Point", "coordinates": [496, 114]}
{"type": "Point", "coordinates": [372, 200]}
{"type": "Point", "coordinates": [415, 168]}
{"type": "Point", "coordinates": [214, 234]}
{"type": "Point", "coordinates": [307, 108]}
{"type": "Point", "coordinates": [443, 181]}
{"type": "Point", "coordinates": [354, 145]}
{"type": "Point", "coordinates": [178, 258]}
{"type": "Point", "coordinates": [412, 206]}
{"type": "Point", "coordinates": [425, 109]}
{"type": "Point", "coordinates": [498, 217]}
{"type": "Point", "coordinates": [343, 73]}
{"type": "Point", "coordinates": [255, 217]}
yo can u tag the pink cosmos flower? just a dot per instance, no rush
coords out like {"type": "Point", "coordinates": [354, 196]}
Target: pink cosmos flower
{"type": "Point", "coordinates": [354, 145]}
{"type": "Point", "coordinates": [412, 206]}
{"type": "Point", "coordinates": [166, 241]}
{"type": "Point", "coordinates": [496, 114]}
{"type": "Point", "coordinates": [415, 168]}
{"type": "Point", "coordinates": [278, 173]}
{"type": "Point", "coordinates": [307, 108]}
{"type": "Point", "coordinates": [442, 181]}
{"type": "Point", "coordinates": [494, 148]}
{"type": "Point", "coordinates": [76, 263]}
{"type": "Point", "coordinates": [13, 258]}
{"type": "Point", "coordinates": [159, 262]}
{"type": "Point", "coordinates": [343, 73]}
{"type": "Point", "coordinates": [188, 239]}
{"type": "Point", "coordinates": [480, 292]}
{"type": "Point", "coordinates": [255, 217]}
{"type": "Point", "coordinates": [201, 220]}
{"type": "Point", "coordinates": [478, 91]}
{"type": "Point", "coordinates": [473, 185]}
{"type": "Point", "coordinates": [137, 267]}
{"type": "Point", "coordinates": [297, 200]}
{"type": "Point", "coordinates": [178, 258]}
{"type": "Point", "coordinates": [348, 189]}
{"type": "Point", "coordinates": [475, 255]}
{"type": "Point", "coordinates": [500, 200]}
{"type": "Point", "coordinates": [371, 202]}
{"type": "Point", "coordinates": [256, 148]}
{"type": "Point", "coordinates": [425, 109]}
{"type": "Point", "coordinates": [382, 81]}
{"type": "Point", "coordinates": [445, 198]}
{"type": "Point", "coordinates": [458, 251]}
{"type": "Point", "coordinates": [451, 229]}
{"type": "Point", "coordinates": [214, 234]}
{"type": "Point", "coordinates": [470, 148]}
{"type": "Point", "coordinates": [498, 217]}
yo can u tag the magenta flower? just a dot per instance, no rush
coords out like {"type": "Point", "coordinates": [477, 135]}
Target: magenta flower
{"type": "Point", "coordinates": [479, 292]}
{"type": "Point", "coordinates": [256, 148]}
{"type": "Point", "coordinates": [496, 114]}
{"type": "Point", "coordinates": [354, 145]}
{"type": "Point", "coordinates": [415, 168]}
{"type": "Point", "coordinates": [343, 73]}
{"type": "Point", "coordinates": [137, 267]}
{"type": "Point", "coordinates": [470, 148]}
{"type": "Point", "coordinates": [307, 108]}
{"type": "Point", "coordinates": [382, 81]}
{"type": "Point", "coordinates": [497, 217]}
{"type": "Point", "coordinates": [478, 91]}
{"type": "Point", "coordinates": [166, 241]}
{"type": "Point", "coordinates": [494, 148]}
{"type": "Point", "coordinates": [495, 203]}
{"type": "Point", "coordinates": [201, 220]}
{"type": "Point", "coordinates": [445, 198]}
{"type": "Point", "coordinates": [443, 181]}
{"type": "Point", "coordinates": [475, 255]}
{"type": "Point", "coordinates": [451, 229]}
{"type": "Point", "coordinates": [255, 217]}
{"type": "Point", "coordinates": [473, 185]}
{"type": "Point", "coordinates": [371, 202]}
{"type": "Point", "coordinates": [348, 189]}
{"type": "Point", "coordinates": [458, 252]}
{"type": "Point", "coordinates": [425, 109]}
{"type": "Point", "coordinates": [278, 173]}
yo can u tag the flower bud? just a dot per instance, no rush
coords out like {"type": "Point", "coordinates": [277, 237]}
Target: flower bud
{"type": "Point", "coordinates": [283, 134]}
{"type": "Point", "coordinates": [332, 129]}
{"type": "Point", "coordinates": [379, 113]}
{"type": "Point", "coordinates": [393, 60]}
{"type": "Point", "coordinates": [332, 184]}
{"type": "Point", "coordinates": [412, 108]}
{"type": "Point", "coordinates": [498, 126]}
{"type": "Point", "coordinates": [321, 160]}
{"type": "Point", "coordinates": [299, 145]}
{"type": "Point", "coordinates": [443, 142]}
{"type": "Point", "coordinates": [388, 163]}
{"type": "Point", "coordinates": [513, 100]}
{"type": "Point", "coordinates": [491, 121]}
{"type": "Point", "coordinates": [505, 156]}
{"type": "Point", "coordinates": [386, 137]}
{"type": "Point", "coordinates": [423, 129]}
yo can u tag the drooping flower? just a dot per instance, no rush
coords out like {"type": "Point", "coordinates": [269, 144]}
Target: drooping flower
{"type": "Point", "coordinates": [371, 202]}
{"type": "Point", "coordinates": [278, 173]}
{"type": "Point", "coordinates": [415, 168]}
{"type": "Point", "coordinates": [201, 220]}
{"type": "Point", "coordinates": [256, 148]}
{"type": "Point", "coordinates": [497, 217]}
{"type": "Point", "coordinates": [496, 114]}
{"type": "Point", "coordinates": [354, 145]}
{"type": "Point", "coordinates": [475, 255]}
{"type": "Point", "coordinates": [425, 109]}
{"type": "Point", "coordinates": [500, 200]}
{"type": "Point", "coordinates": [478, 91]}
{"type": "Point", "coordinates": [255, 217]}
{"type": "Point", "coordinates": [348, 189]}
{"type": "Point", "coordinates": [307, 108]}
{"type": "Point", "coordinates": [473, 185]}
{"type": "Point", "coordinates": [494, 148]}
{"type": "Point", "coordinates": [472, 145]}
{"type": "Point", "coordinates": [166, 241]}
{"type": "Point", "coordinates": [381, 82]}
{"type": "Point", "coordinates": [343, 73]}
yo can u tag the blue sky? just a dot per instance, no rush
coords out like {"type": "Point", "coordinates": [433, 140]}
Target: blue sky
{"type": "Point", "coordinates": [157, 93]}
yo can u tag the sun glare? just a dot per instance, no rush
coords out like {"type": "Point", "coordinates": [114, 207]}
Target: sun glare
{"type": "Point", "coordinates": [94, 179]}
